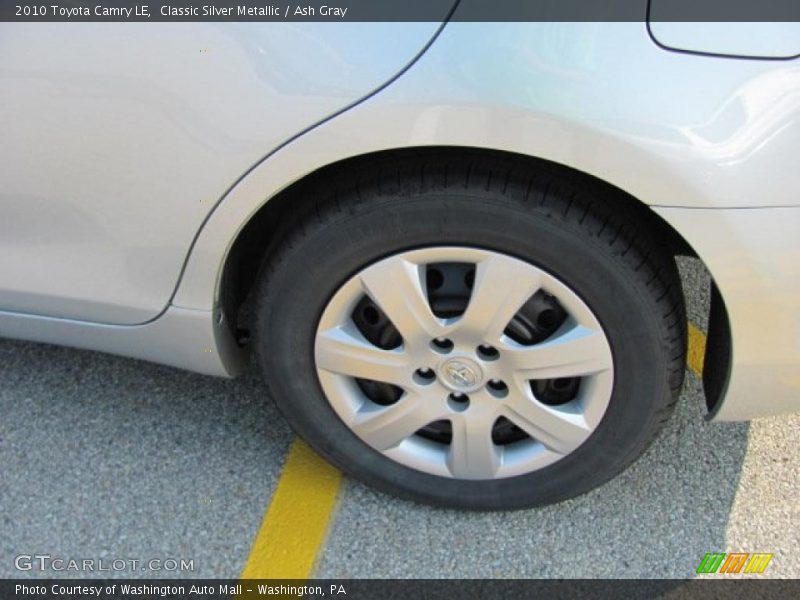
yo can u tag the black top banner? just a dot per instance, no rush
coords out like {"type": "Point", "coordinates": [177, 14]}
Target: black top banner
{"type": "Point", "coordinates": [398, 10]}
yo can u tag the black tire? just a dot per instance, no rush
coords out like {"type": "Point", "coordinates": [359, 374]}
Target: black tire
{"type": "Point", "coordinates": [568, 224]}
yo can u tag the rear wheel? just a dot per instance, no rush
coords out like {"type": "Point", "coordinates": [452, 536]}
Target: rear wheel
{"type": "Point", "coordinates": [471, 336]}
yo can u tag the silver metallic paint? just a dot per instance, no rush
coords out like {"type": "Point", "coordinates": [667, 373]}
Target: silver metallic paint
{"type": "Point", "coordinates": [754, 256]}
{"type": "Point", "coordinates": [197, 340]}
{"type": "Point", "coordinates": [119, 139]}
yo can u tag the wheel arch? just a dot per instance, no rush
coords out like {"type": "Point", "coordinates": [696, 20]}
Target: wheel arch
{"type": "Point", "coordinates": [267, 226]}
{"type": "Point", "coordinates": [269, 223]}
{"type": "Point", "coordinates": [242, 238]}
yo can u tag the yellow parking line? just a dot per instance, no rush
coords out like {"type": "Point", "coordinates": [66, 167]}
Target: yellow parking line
{"type": "Point", "coordinates": [697, 349]}
{"type": "Point", "coordinates": [294, 527]}
{"type": "Point", "coordinates": [296, 521]}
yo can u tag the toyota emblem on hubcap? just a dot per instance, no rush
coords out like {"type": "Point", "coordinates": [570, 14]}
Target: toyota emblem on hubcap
{"type": "Point", "coordinates": [461, 373]}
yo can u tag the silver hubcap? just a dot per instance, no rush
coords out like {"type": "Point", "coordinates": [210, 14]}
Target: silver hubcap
{"type": "Point", "coordinates": [468, 374]}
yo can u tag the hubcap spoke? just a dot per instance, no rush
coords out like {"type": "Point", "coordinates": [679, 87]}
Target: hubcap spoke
{"type": "Point", "coordinates": [396, 286]}
{"type": "Point", "coordinates": [343, 350]}
{"type": "Point", "coordinates": [578, 352]}
{"type": "Point", "coordinates": [502, 285]}
{"type": "Point", "coordinates": [472, 453]}
{"type": "Point", "coordinates": [385, 427]}
{"type": "Point", "coordinates": [559, 431]}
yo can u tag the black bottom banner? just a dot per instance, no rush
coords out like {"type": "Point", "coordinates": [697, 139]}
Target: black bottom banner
{"type": "Point", "coordinates": [389, 589]}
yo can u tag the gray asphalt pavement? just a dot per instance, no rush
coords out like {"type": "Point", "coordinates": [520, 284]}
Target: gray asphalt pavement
{"type": "Point", "coordinates": [105, 457]}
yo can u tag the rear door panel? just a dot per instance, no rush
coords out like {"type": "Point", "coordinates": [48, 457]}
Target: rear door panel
{"type": "Point", "coordinates": [118, 139]}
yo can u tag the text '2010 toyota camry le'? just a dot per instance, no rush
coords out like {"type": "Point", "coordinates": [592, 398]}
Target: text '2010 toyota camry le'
{"type": "Point", "coordinates": [450, 245]}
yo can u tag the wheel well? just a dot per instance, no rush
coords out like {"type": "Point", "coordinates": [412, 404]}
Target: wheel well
{"type": "Point", "coordinates": [269, 225]}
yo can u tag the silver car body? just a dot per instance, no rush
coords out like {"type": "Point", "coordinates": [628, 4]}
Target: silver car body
{"type": "Point", "coordinates": [133, 155]}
